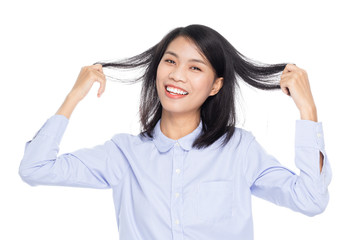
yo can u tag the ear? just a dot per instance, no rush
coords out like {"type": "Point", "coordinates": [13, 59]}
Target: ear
{"type": "Point", "coordinates": [217, 85]}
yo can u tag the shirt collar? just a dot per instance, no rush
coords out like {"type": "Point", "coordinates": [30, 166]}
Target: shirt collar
{"type": "Point", "coordinates": [164, 144]}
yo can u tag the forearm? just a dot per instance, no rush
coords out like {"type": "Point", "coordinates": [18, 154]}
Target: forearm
{"type": "Point", "coordinates": [68, 106]}
{"type": "Point", "coordinates": [87, 167]}
{"type": "Point", "coordinates": [310, 187]}
{"type": "Point", "coordinates": [311, 114]}
{"type": "Point", "coordinates": [305, 192]}
{"type": "Point", "coordinates": [41, 152]}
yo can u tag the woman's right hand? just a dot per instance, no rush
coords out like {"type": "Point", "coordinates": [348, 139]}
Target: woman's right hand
{"type": "Point", "coordinates": [87, 76]}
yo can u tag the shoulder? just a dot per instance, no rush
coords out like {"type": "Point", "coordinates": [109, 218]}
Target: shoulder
{"type": "Point", "coordinates": [239, 140]}
{"type": "Point", "coordinates": [242, 136]}
{"type": "Point", "coordinates": [129, 140]}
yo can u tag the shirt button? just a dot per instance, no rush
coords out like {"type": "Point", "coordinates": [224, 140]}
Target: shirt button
{"type": "Point", "coordinates": [319, 135]}
{"type": "Point", "coordinates": [177, 194]}
{"type": "Point", "coordinates": [177, 222]}
{"type": "Point", "coordinates": [177, 144]}
{"type": "Point", "coordinates": [178, 171]}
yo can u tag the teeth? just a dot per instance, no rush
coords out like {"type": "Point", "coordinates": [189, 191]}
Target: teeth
{"type": "Point", "coordinates": [175, 90]}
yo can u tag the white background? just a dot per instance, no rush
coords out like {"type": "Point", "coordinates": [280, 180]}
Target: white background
{"type": "Point", "coordinates": [44, 44]}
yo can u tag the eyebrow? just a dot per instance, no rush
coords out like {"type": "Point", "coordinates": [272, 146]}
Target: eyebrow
{"type": "Point", "coordinates": [191, 60]}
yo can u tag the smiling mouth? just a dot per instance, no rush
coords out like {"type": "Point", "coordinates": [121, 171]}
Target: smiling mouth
{"type": "Point", "coordinates": [175, 91]}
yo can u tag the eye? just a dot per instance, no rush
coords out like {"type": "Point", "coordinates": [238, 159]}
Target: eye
{"type": "Point", "coordinates": [196, 68]}
{"type": "Point", "coordinates": [169, 61]}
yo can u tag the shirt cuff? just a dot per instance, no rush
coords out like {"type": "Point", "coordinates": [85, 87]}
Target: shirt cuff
{"type": "Point", "coordinates": [55, 127]}
{"type": "Point", "coordinates": [309, 134]}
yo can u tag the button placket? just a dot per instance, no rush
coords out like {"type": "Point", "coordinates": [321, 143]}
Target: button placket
{"type": "Point", "coordinates": [177, 184]}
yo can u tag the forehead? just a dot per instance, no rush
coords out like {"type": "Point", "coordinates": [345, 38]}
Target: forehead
{"type": "Point", "coordinates": [185, 48]}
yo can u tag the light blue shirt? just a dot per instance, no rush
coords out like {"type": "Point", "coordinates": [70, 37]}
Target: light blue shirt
{"type": "Point", "coordinates": [166, 189]}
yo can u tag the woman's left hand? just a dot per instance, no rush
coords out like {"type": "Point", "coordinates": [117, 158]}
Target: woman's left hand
{"type": "Point", "coordinates": [295, 83]}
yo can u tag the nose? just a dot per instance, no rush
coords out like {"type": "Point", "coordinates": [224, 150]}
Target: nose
{"type": "Point", "coordinates": [177, 74]}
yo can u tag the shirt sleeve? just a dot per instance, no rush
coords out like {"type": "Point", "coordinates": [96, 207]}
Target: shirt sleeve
{"type": "Point", "coordinates": [307, 192]}
{"type": "Point", "coordinates": [99, 167]}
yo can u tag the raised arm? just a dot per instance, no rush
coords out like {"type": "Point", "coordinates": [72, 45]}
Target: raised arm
{"type": "Point", "coordinates": [87, 76]}
{"type": "Point", "coordinates": [98, 167]}
{"type": "Point", "coordinates": [295, 83]}
{"type": "Point", "coordinates": [307, 192]}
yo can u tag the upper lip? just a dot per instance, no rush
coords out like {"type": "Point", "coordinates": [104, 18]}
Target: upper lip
{"type": "Point", "coordinates": [169, 85]}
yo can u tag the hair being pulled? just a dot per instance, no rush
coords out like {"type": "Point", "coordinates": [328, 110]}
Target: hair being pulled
{"type": "Point", "coordinates": [218, 114]}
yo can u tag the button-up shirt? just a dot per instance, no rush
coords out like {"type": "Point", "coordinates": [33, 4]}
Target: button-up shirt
{"type": "Point", "coordinates": [166, 189]}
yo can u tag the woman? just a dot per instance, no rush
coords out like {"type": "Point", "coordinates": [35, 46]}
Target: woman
{"type": "Point", "coordinates": [190, 173]}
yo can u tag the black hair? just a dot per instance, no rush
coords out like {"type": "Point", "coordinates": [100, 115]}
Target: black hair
{"type": "Point", "coordinates": [217, 112]}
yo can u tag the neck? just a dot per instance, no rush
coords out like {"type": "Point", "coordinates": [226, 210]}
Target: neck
{"type": "Point", "coordinates": [176, 126]}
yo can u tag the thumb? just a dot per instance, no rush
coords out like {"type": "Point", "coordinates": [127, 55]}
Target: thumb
{"type": "Point", "coordinates": [290, 67]}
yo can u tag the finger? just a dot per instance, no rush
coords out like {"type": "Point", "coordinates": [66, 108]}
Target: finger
{"type": "Point", "coordinates": [98, 67]}
{"type": "Point", "coordinates": [102, 81]}
{"type": "Point", "coordinates": [284, 82]}
{"type": "Point", "coordinates": [286, 70]}
{"type": "Point", "coordinates": [102, 89]}
{"type": "Point", "coordinates": [286, 75]}
{"type": "Point", "coordinates": [289, 68]}
{"type": "Point", "coordinates": [100, 74]}
{"type": "Point", "coordinates": [286, 91]}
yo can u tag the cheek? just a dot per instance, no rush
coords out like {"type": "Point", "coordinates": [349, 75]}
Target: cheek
{"type": "Point", "coordinates": [161, 71]}
{"type": "Point", "coordinates": [158, 88]}
{"type": "Point", "coordinates": [203, 84]}
{"type": "Point", "coordinates": [159, 77]}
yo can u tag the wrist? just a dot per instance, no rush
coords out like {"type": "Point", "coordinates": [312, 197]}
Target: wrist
{"type": "Point", "coordinates": [68, 106]}
{"type": "Point", "coordinates": [73, 97]}
{"type": "Point", "coordinates": [309, 113]}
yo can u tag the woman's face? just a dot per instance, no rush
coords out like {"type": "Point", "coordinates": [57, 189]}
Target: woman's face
{"type": "Point", "coordinates": [185, 79]}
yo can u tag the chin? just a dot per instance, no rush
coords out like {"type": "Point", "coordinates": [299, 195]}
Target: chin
{"type": "Point", "coordinates": [178, 110]}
